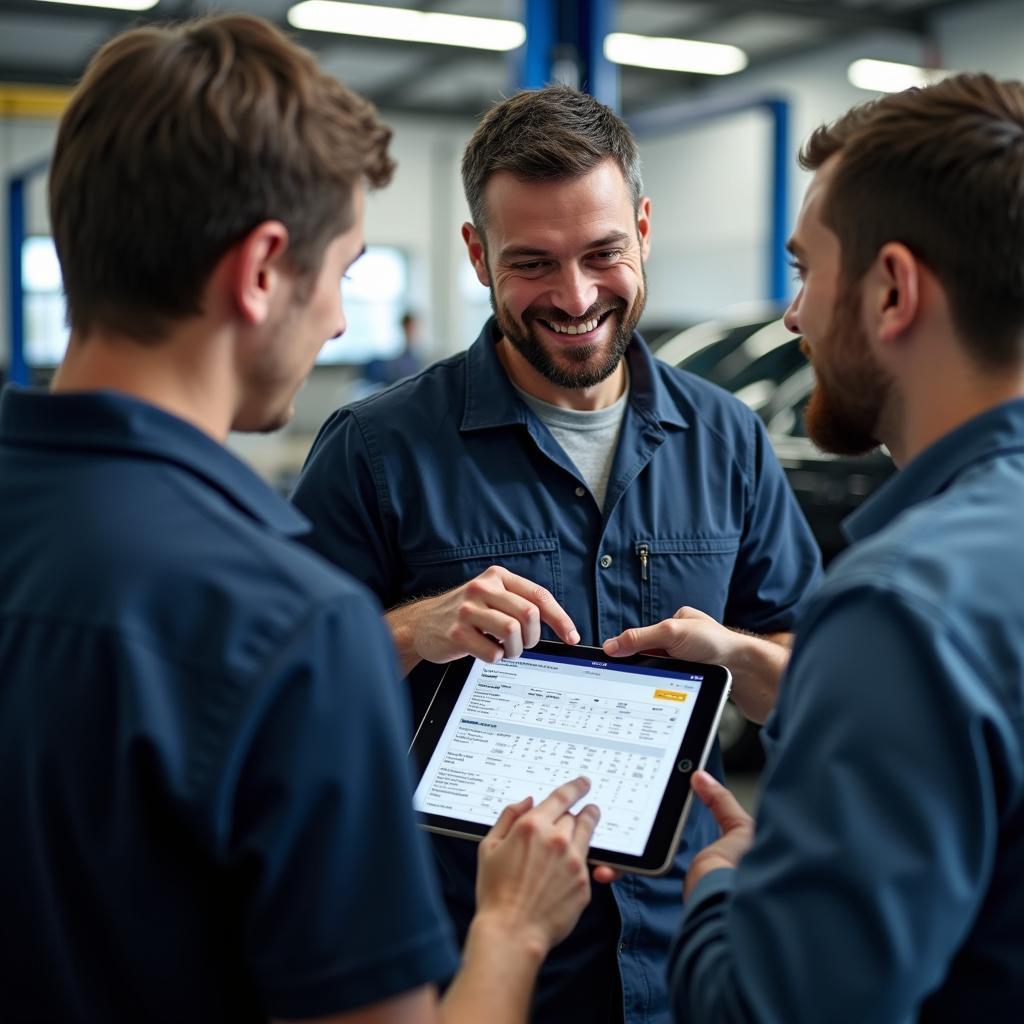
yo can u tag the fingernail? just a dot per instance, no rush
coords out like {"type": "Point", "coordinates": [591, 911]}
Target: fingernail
{"type": "Point", "coordinates": [574, 637]}
{"type": "Point", "coordinates": [611, 646]}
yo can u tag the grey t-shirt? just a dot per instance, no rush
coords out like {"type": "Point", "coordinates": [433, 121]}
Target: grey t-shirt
{"type": "Point", "coordinates": [588, 438]}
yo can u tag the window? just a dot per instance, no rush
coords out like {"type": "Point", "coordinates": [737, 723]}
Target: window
{"type": "Point", "coordinates": [46, 333]}
{"type": "Point", "coordinates": [375, 296]}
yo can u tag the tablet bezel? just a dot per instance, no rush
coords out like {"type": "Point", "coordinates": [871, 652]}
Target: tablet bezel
{"type": "Point", "coordinates": [691, 756]}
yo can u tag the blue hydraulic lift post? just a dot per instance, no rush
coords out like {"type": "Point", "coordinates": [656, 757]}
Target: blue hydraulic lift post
{"type": "Point", "coordinates": [17, 368]}
{"type": "Point", "coordinates": [598, 75]}
{"type": "Point", "coordinates": [536, 62]}
{"type": "Point", "coordinates": [576, 29]}
{"type": "Point", "coordinates": [778, 284]}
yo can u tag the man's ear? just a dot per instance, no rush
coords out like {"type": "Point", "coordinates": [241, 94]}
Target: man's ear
{"type": "Point", "coordinates": [477, 254]}
{"type": "Point", "coordinates": [643, 226]}
{"type": "Point", "coordinates": [258, 270]}
{"type": "Point", "coordinates": [893, 292]}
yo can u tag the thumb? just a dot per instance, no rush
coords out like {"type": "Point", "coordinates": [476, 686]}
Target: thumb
{"type": "Point", "coordinates": [727, 810]}
{"type": "Point", "coordinates": [629, 642]}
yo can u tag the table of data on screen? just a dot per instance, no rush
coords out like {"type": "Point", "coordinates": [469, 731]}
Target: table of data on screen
{"type": "Point", "coordinates": [525, 725]}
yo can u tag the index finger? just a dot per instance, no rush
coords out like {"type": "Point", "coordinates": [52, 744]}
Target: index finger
{"type": "Point", "coordinates": [561, 799]}
{"type": "Point", "coordinates": [550, 610]}
{"type": "Point", "coordinates": [509, 816]}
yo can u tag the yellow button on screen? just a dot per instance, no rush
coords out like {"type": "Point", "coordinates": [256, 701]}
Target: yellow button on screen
{"type": "Point", "coordinates": [669, 695]}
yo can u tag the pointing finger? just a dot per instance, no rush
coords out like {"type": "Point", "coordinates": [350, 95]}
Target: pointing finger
{"type": "Point", "coordinates": [562, 798]}
{"type": "Point", "coordinates": [550, 610]}
{"type": "Point", "coordinates": [509, 816]}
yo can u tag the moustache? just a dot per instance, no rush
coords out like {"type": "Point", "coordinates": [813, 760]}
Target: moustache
{"type": "Point", "coordinates": [554, 315]}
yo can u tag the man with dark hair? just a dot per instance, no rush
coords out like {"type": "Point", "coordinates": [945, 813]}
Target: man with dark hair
{"type": "Point", "coordinates": [884, 880]}
{"type": "Point", "coordinates": [204, 797]}
{"type": "Point", "coordinates": [555, 475]}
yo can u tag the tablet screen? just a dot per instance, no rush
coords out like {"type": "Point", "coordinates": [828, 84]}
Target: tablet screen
{"type": "Point", "coordinates": [524, 725]}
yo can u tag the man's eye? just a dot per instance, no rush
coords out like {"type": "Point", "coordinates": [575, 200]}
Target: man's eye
{"type": "Point", "coordinates": [797, 267]}
{"type": "Point", "coordinates": [608, 255]}
{"type": "Point", "coordinates": [529, 266]}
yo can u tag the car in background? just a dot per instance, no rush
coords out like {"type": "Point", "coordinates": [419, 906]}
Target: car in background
{"type": "Point", "coordinates": [753, 355]}
{"type": "Point", "coordinates": [761, 363]}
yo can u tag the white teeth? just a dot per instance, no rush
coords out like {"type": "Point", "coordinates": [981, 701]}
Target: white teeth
{"type": "Point", "coordinates": [583, 328]}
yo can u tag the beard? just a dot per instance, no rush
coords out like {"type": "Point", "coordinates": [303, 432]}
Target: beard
{"type": "Point", "coordinates": [581, 366]}
{"type": "Point", "coordinates": [851, 390]}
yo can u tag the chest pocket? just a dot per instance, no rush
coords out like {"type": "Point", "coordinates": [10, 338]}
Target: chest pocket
{"type": "Point", "coordinates": [534, 558]}
{"type": "Point", "coordinates": [695, 571]}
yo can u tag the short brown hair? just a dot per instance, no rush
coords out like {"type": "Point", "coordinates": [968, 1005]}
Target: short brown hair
{"type": "Point", "coordinates": [940, 169]}
{"type": "Point", "coordinates": [546, 135]}
{"type": "Point", "coordinates": [179, 141]}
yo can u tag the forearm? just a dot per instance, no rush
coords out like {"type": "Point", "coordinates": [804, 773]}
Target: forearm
{"type": "Point", "coordinates": [757, 666]}
{"type": "Point", "coordinates": [495, 984]}
{"type": "Point", "coordinates": [401, 621]}
{"type": "Point", "coordinates": [702, 970]}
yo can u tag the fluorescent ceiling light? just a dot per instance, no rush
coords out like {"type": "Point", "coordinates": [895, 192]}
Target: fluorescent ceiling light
{"type": "Point", "coordinates": [407, 26]}
{"type": "Point", "coordinates": [888, 76]}
{"type": "Point", "coordinates": [114, 5]}
{"type": "Point", "coordinates": [674, 54]}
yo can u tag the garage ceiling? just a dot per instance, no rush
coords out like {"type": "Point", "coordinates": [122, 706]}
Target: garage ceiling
{"type": "Point", "coordinates": [50, 43]}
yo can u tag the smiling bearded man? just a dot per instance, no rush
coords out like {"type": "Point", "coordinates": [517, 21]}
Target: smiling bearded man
{"type": "Point", "coordinates": [556, 478]}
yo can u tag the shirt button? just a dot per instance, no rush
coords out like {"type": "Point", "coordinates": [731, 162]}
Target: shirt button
{"type": "Point", "coordinates": [580, 491]}
{"type": "Point", "coordinates": [622, 947]}
{"type": "Point", "coordinates": [606, 560]}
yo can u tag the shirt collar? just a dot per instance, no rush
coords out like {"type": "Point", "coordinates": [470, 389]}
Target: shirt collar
{"type": "Point", "coordinates": [112, 422]}
{"type": "Point", "coordinates": [997, 431]}
{"type": "Point", "coordinates": [491, 399]}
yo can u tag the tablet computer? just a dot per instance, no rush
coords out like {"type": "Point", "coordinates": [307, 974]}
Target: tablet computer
{"type": "Point", "coordinates": [637, 727]}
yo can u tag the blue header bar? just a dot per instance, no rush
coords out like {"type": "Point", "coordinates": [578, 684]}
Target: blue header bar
{"type": "Point", "coordinates": [613, 665]}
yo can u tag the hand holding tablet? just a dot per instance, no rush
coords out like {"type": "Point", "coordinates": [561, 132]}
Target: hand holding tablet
{"type": "Point", "coordinates": [637, 727]}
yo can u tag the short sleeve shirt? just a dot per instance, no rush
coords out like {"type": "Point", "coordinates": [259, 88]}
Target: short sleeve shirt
{"type": "Point", "coordinates": [422, 487]}
{"type": "Point", "coordinates": [203, 790]}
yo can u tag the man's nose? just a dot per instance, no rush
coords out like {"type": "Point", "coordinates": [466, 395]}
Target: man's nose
{"type": "Point", "coordinates": [574, 292]}
{"type": "Point", "coordinates": [791, 317]}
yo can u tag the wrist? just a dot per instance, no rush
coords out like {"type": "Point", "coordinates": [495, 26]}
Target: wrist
{"type": "Point", "coordinates": [762, 657]}
{"type": "Point", "coordinates": [757, 666]}
{"type": "Point", "coordinates": [514, 938]}
{"type": "Point", "coordinates": [402, 634]}
{"type": "Point", "coordinates": [701, 866]}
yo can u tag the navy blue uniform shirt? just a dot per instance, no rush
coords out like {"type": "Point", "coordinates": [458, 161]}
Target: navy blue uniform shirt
{"type": "Point", "coordinates": [420, 488]}
{"type": "Point", "coordinates": [204, 800]}
{"type": "Point", "coordinates": [884, 884]}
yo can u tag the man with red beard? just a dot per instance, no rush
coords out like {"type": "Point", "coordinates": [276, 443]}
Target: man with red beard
{"type": "Point", "coordinates": [883, 883]}
{"type": "Point", "coordinates": [556, 478]}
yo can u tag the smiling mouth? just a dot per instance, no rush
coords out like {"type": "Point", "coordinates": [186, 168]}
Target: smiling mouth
{"type": "Point", "coordinates": [583, 327]}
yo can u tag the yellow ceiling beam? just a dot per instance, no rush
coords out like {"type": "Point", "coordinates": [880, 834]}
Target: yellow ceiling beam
{"type": "Point", "coordinates": [32, 100]}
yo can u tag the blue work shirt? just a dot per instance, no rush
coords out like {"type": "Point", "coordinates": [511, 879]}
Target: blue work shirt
{"type": "Point", "coordinates": [420, 488]}
{"type": "Point", "coordinates": [204, 797]}
{"type": "Point", "coordinates": [884, 884]}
